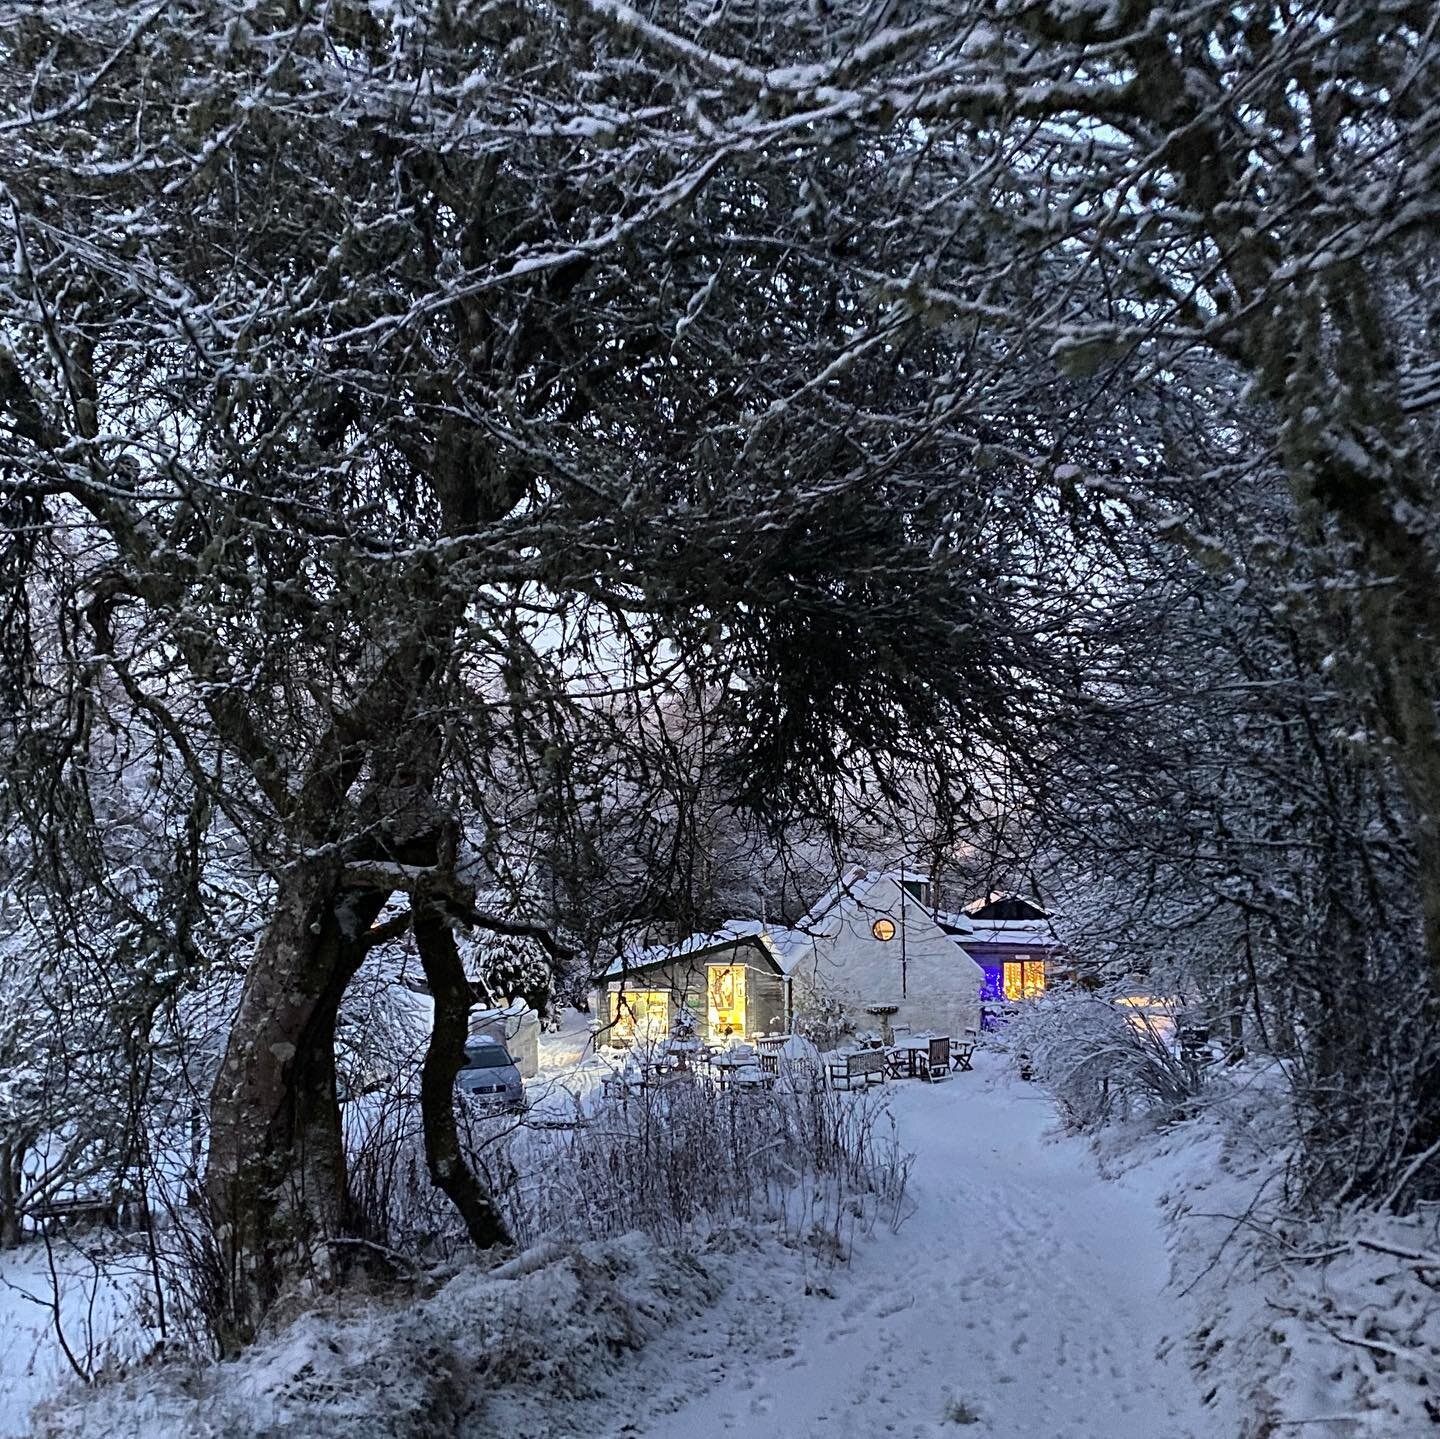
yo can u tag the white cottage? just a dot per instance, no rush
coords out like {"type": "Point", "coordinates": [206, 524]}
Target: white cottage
{"type": "Point", "coordinates": [871, 950]}
{"type": "Point", "coordinates": [868, 956]}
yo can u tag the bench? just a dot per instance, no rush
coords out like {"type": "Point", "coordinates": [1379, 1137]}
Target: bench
{"type": "Point", "coordinates": [865, 1065]}
{"type": "Point", "coordinates": [111, 1210]}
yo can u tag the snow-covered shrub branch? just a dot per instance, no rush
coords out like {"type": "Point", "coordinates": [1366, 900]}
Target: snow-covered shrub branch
{"type": "Point", "coordinates": [801, 1160]}
{"type": "Point", "coordinates": [1103, 1055]}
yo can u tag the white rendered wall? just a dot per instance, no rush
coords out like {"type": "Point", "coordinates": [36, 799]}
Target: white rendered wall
{"type": "Point", "coordinates": [936, 987]}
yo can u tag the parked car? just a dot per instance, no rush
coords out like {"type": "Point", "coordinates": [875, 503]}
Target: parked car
{"type": "Point", "coordinates": [490, 1074]}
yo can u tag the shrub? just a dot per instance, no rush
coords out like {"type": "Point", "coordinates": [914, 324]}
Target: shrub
{"type": "Point", "coordinates": [1103, 1056]}
{"type": "Point", "coordinates": [664, 1162]}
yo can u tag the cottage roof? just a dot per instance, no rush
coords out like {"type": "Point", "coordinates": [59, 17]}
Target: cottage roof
{"type": "Point", "coordinates": [1019, 933]}
{"type": "Point", "coordinates": [781, 945]}
{"type": "Point", "coordinates": [1007, 908]}
{"type": "Point", "coordinates": [851, 891]}
{"type": "Point", "coordinates": [957, 926]}
{"type": "Point", "coordinates": [788, 947]}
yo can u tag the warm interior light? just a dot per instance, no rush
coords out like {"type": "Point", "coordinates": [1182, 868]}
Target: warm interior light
{"type": "Point", "coordinates": [1024, 978]}
{"type": "Point", "coordinates": [640, 1014]}
{"type": "Point", "coordinates": [727, 1001]}
{"type": "Point", "coordinates": [883, 929]}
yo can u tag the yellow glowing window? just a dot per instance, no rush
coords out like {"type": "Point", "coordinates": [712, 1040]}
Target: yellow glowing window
{"type": "Point", "coordinates": [640, 1014]}
{"type": "Point", "coordinates": [1024, 978]}
{"type": "Point", "coordinates": [726, 984]}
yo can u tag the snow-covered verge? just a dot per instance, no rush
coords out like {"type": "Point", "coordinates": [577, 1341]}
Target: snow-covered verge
{"type": "Point", "coordinates": [517, 1348]}
{"type": "Point", "coordinates": [83, 1301]}
{"type": "Point", "coordinates": [634, 1216]}
{"type": "Point", "coordinates": [1298, 1325]}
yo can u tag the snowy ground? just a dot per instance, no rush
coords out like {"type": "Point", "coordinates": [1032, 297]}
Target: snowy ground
{"type": "Point", "coordinates": [96, 1308]}
{"type": "Point", "coordinates": [1022, 1296]}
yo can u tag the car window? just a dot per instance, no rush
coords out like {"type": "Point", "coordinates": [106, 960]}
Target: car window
{"type": "Point", "coordinates": [487, 1056]}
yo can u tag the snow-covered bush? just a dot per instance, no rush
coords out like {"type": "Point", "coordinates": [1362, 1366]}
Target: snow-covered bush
{"type": "Point", "coordinates": [669, 1162]}
{"type": "Point", "coordinates": [1103, 1055]}
{"type": "Point", "coordinates": [821, 1011]}
{"type": "Point", "coordinates": [491, 1351]}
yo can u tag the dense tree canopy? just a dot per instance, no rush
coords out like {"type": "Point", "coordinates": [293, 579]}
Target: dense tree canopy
{"type": "Point", "coordinates": [462, 449]}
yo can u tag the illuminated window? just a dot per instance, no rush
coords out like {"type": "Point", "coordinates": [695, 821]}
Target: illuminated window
{"type": "Point", "coordinates": [640, 1014]}
{"type": "Point", "coordinates": [1024, 977]}
{"type": "Point", "coordinates": [883, 929]}
{"type": "Point", "coordinates": [726, 984]}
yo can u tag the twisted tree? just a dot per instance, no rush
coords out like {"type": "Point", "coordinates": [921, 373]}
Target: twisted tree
{"type": "Point", "coordinates": [394, 402]}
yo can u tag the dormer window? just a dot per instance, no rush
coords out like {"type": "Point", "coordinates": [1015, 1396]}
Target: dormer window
{"type": "Point", "coordinates": [919, 889]}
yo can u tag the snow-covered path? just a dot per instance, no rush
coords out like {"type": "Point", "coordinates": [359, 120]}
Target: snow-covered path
{"type": "Point", "coordinates": [1021, 1299]}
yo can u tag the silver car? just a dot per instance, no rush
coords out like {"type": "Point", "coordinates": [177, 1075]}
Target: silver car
{"type": "Point", "coordinates": [489, 1073]}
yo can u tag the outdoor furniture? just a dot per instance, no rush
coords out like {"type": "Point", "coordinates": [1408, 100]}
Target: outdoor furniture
{"type": "Point", "coordinates": [934, 1061]}
{"type": "Point", "coordinates": [962, 1051]}
{"type": "Point", "coordinates": [681, 1053]}
{"type": "Point", "coordinates": [921, 1056]}
{"type": "Point", "coordinates": [905, 1055]}
{"type": "Point", "coordinates": [1194, 1043]}
{"type": "Point", "coordinates": [805, 1075]}
{"type": "Point", "coordinates": [768, 1048]}
{"type": "Point", "coordinates": [738, 1065]}
{"type": "Point", "coordinates": [106, 1209]}
{"type": "Point", "coordinates": [653, 1070]}
{"type": "Point", "coordinates": [862, 1066]}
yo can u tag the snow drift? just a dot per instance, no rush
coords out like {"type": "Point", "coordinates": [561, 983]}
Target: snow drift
{"type": "Point", "coordinates": [489, 1349]}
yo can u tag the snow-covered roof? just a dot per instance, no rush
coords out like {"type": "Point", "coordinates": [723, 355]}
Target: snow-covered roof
{"type": "Point", "coordinates": [516, 1009]}
{"type": "Point", "coordinates": [957, 924]}
{"type": "Point", "coordinates": [730, 932]}
{"type": "Point", "coordinates": [1036, 934]}
{"type": "Point", "coordinates": [786, 946]}
{"type": "Point", "coordinates": [852, 888]}
{"type": "Point", "coordinates": [1006, 907]}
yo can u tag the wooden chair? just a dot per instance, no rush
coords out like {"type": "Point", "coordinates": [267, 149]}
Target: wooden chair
{"type": "Point", "coordinates": [962, 1051]}
{"type": "Point", "coordinates": [935, 1061]}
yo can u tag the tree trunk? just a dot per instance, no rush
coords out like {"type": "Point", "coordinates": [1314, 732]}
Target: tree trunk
{"type": "Point", "coordinates": [448, 1168]}
{"type": "Point", "coordinates": [11, 1160]}
{"type": "Point", "coordinates": [276, 1179]}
